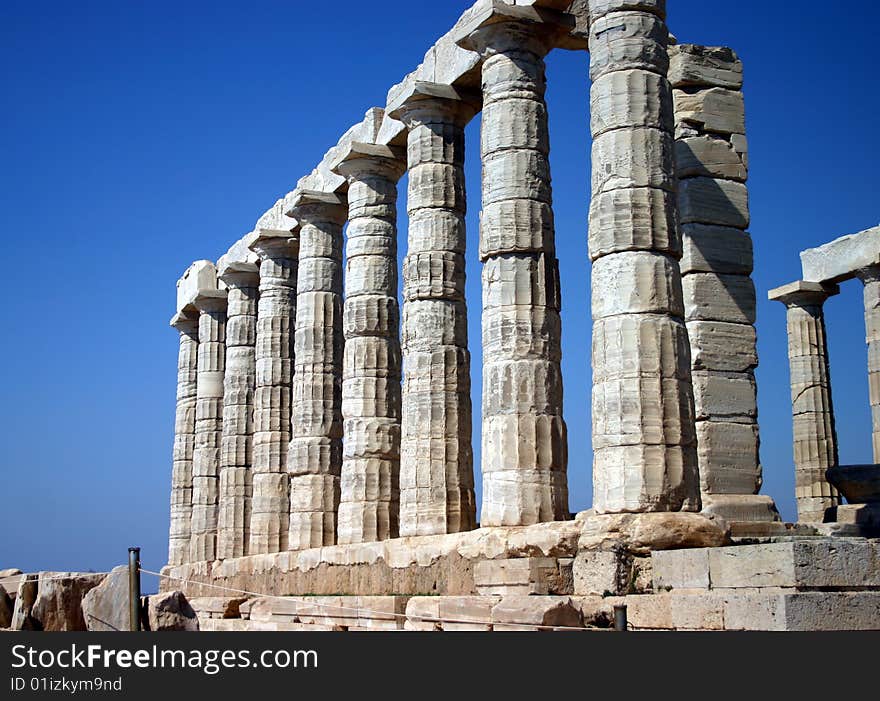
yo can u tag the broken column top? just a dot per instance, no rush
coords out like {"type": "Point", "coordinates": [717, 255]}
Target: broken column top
{"type": "Point", "coordinates": [802, 292]}
{"type": "Point", "coordinates": [691, 65]}
{"type": "Point", "coordinates": [199, 281]}
{"type": "Point", "coordinates": [842, 259]}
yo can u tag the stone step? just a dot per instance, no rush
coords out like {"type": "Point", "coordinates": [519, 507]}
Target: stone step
{"type": "Point", "coordinates": [799, 564]}
{"type": "Point", "coordinates": [524, 576]}
{"type": "Point", "coordinates": [756, 611]}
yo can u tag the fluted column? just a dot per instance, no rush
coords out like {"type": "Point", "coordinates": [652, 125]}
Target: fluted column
{"type": "Point", "coordinates": [236, 451]}
{"type": "Point", "coordinates": [314, 458]}
{"type": "Point", "coordinates": [369, 501]}
{"type": "Point", "coordinates": [209, 423]}
{"type": "Point", "coordinates": [524, 448]}
{"type": "Point", "coordinates": [815, 439]}
{"type": "Point", "coordinates": [278, 251]}
{"type": "Point", "coordinates": [184, 438]}
{"type": "Point", "coordinates": [644, 440]}
{"type": "Point", "coordinates": [870, 277]}
{"type": "Point", "coordinates": [436, 456]}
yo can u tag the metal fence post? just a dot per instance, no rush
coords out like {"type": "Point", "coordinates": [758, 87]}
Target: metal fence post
{"type": "Point", "coordinates": [134, 589]}
{"type": "Point", "coordinates": [620, 618]}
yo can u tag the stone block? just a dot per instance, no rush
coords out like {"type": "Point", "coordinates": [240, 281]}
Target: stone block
{"type": "Point", "coordinates": [633, 219]}
{"type": "Point", "coordinates": [105, 608]}
{"type": "Point", "coordinates": [723, 397]}
{"type": "Point", "coordinates": [523, 576]}
{"type": "Point", "coordinates": [713, 110]}
{"type": "Point", "coordinates": [636, 282]}
{"type": "Point", "coordinates": [808, 611]}
{"type": "Point", "coordinates": [627, 158]}
{"type": "Point", "coordinates": [713, 201]}
{"type": "Point", "coordinates": [531, 612]}
{"type": "Point", "coordinates": [722, 346]}
{"type": "Point", "coordinates": [728, 455]}
{"type": "Point", "coordinates": [714, 297]}
{"type": "Point", "coordinates": [716, 249]}
{"type": "Point", "coordinates": [602, 573]}
{"type": "Point", "coordinates": [681, 569]}
{"type": "Point", "coordinates": [691, 65]}
{"type": "Point", "coordinates": [840, 259]}
{"type": "Point", "coordinates": [710, 157]}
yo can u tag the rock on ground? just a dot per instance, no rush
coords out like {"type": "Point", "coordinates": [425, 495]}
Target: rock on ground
{"type": "Point", "coordinates": [58, 604]}
{"type": "Point", "coordinates": [171, 611]}
{"type": "Point", "coordinates": [105, 608]}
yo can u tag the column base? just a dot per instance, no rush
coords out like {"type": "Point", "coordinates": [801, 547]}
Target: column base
{"type": "Point", "coordinates": [743, 512]}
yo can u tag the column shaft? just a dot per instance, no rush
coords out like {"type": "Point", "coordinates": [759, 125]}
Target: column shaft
{"type": "Point", "coordinates": [209, 425]}
{"type": "Point", "coordinates": [369, 501]}
{"type": "Point", "coordinates": [270, 503]}
{"type": "Point", "coordinates": [524, 443]}
{"type": "Point", "coordinates": [184, 440]}
{"type": "Point", "coordinates": [314, 459]}
{"type": "Point", "coordinates": [871, 280]}
{"type": "Point", "coordinates": [236, 451]}
{"type": "Point", "coordinates": [644, 440]}
{"type": "Point", "coordinates": [436, 463]}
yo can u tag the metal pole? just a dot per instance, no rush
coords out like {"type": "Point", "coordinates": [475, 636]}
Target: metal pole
{"type": "Point", "coordinates": [134, 589]}
{"type": "Point", "coordinates": [620, 618]}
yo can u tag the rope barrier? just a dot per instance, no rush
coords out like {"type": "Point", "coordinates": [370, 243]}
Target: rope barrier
{"type": "Point", "coordinates": [35, 576]}
{"type": "Point", "coordinates": [358, 610]}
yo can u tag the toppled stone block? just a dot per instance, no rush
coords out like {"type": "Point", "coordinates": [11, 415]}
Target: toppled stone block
{"type": "Point", "coordinates": [58, 605]}
{"type": "Point", "coordinates": [6, 608]}
{"type": "Point", "coordinates": [171, 612]}
{"type": "Point", "coordinates": [529, 612]}
{"type": "Point", "coordinates": [106, 607]}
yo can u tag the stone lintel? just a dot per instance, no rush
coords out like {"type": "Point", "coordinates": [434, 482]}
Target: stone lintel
{"type": "Point", "coordinates": [266, 240]}
{"type": "Point", "coordinates": [801, 292]}
{"type": "Point", "coordinates": [843, 258]}
{"type": "Point", "coordinates": [488, 12]}
{"type": "Point", "coordinates": [210, 300]}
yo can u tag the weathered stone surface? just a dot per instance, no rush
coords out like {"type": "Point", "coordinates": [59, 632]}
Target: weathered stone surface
{"type": "Point", "coordinates": [106, 607]}
{"type": "Point", "coordinates": [458, 613]}
{"type": "Point", "coordinates": [729, 450]}
{"type": "Point", "coordinates": [171, 612]}
{"type": "Point", "coordinates": [633, 157]}
{"type": "Point", "coordinates": [712, 110]}
{"type": "Point", "coordinates": [634, 98]}
{"type": "Point", "coordinates": [870, 278]}
{"type": "Point", "coordinates": [717, 297]}
{"type": "Point", "coordinates": [58, 604]}
{"type": "Point", "coordinates": [709, 157]}
{"type": "Point", "coordinates": [24, 602]}
{"type": "Point", "coordinates": [842, 258]}
{"type": "Point", "coordinates": [627, 40]}
{"type": "Point", "coordinates": [6, 608]}
{"type": "Point", "coordinates": [530, 612]}
{"type": "Point", "coordinates": [610, 572]}
{"type": "Point", "coordinates": [633, 219]}
{"type": "Point", "coordinates": [704, 66]}
{"type": "Point", "coordinates": [521, 576]}
{"type": "Point", "coordinates": [718, 345]}
{"type": "Point", "coordinates": [721, 396]}
{"type": "Point", "coordinates": [749, 515]}
{"type": "Point", "coordinates": [644, 533]}
{"type": "Point", "coordinates": [713, 201]}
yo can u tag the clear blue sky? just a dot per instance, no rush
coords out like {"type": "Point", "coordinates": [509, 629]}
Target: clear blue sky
{"type": "Point", "coordinates": [138, 137]}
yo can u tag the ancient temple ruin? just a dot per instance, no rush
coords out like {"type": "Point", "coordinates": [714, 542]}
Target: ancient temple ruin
{"type": "Point", "coordinates": [323, 437]}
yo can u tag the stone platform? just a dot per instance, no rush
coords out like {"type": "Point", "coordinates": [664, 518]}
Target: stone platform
{"type": "Point", "coordinates": [794, 584]}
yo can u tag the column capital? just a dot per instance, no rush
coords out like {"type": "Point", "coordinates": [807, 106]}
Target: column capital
{"type": "Point", "coordinates": [239, 274]}
{"type": "Point", "coordinates": [185, 323]}
{"type": "Point", "coordinates": [311, 206]}
{"type": "Point", "coordinates": [801, 293]}
{"type": "Point", "coordinates": [423, 102]}
{"type": "Point", "coordinates": [494, 27]}
{"type": "Point", "coordinates": [363, 160]}
{"type": "Point", "coordinates": [208, 301]}
{"type": "Point", "coordinates": [272, 243]}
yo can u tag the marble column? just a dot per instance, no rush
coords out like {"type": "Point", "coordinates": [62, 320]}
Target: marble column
{"type": "Point", "coordinates": [815, 439]}
{"type": "Point", "coordinates": [236, 451]}
{"type": "Point", "coordinates": [369, 500]}
{"type": "Point", "coordinates": [644, 441]}
{"type": "Point", "coordinates": [711, 155]}
{"type": "Point", "coordinates": [209, 423]}
{"type": "Point", "coordinates": [187, 326]}
{"type": "Point", "coordinates": [276, 311]}
{"type": "Point", "coordinates": [524, 443]}
{"type": "Point", "coordinates": [870, 277]}
{"type": "Point", "coordinates": [314, 458]}
{"type": "Point", "coordinates": [436, 463]}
